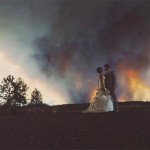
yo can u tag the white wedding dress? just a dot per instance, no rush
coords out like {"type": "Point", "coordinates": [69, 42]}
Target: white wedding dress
{"type": "Point", "coordinates": [102, 102]}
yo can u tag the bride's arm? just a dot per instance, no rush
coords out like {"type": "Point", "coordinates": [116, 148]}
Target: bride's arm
{"type": "Point", "coordinates": [98, 84]}
{"type": "Point", "coordinates": [102, 81]}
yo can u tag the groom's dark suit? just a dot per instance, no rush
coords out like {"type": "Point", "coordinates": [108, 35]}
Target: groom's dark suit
{"type": "Point", "coordinates": [110, 84]}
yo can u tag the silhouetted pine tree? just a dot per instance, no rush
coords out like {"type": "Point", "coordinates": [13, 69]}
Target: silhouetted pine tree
{"type": "Point", "coordinates": [7, 90]}
{"type": "Point", "coordinates": [14, 93]}
{"type": "Point", "coordinates": [36, 97]}
{"type": "Point", "coordinates": [20, 92]}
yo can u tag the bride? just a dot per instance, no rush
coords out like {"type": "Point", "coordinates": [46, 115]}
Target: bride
{"type": "Point", "coordinates": [102, 102]}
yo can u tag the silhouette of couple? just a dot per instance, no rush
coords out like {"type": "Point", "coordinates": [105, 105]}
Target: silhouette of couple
{"type": "Point", "coordinates": [105, 99]}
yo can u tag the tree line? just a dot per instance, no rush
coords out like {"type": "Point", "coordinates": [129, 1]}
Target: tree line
{"type": "Point", "coordinates": [14, 93]}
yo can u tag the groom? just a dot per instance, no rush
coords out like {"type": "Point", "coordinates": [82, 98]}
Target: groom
{"type": "Point", "coordinates": [110, 84]}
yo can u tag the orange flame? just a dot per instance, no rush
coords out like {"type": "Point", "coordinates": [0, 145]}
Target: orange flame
{"type": "Point", "coordinates": [93, 93]}
{"type": "Point", "coordinates": [134, 86]}
{"type": "Point", "coordinates": [93, 90]}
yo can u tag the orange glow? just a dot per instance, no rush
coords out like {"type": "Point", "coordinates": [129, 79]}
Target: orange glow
{"type": "Point", "coordinates": [93, 90]}
{"type": "Point", "coordinates": [134, 86]}
{"type": "Point", "coordinates": [93, 93]}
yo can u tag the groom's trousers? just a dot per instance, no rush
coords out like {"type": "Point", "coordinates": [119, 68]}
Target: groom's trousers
{"type": "Point", "coordinates": [115, 101]}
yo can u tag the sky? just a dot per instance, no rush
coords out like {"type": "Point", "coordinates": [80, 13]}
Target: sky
{"type": "Point", "coordinates": [56, 45]}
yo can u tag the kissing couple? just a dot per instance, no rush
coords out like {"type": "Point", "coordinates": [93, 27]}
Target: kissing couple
{"type": "Point", "coordinates": [105, 99]}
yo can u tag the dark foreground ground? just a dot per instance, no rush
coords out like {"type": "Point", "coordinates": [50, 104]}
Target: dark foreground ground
{"type": "Point", "coordinates": [128, 129]}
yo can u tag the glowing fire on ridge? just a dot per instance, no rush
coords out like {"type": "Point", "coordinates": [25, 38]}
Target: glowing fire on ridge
{"type": "Point", "coordinates": [135, 88]}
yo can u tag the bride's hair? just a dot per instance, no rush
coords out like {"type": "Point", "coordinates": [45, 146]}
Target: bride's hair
{"type": "Point", "coordinates": [99, 69]}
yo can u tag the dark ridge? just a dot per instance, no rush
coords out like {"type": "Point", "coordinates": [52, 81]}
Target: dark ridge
{"type": "Point", "coordinates": [44, 108]}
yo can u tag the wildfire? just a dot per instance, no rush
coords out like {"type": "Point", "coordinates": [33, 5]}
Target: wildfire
{"type": "Point", "coordinates": [134, 87]}
{"type": "Point", "coordinates": [93, 93]}
{"type": "Point", "coordinates": [93, 90]}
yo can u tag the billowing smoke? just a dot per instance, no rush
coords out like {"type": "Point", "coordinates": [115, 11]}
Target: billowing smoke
{"type": "Point", "coordinates": [65, 41]}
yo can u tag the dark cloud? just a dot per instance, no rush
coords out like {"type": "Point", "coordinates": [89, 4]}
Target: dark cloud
{"type": "Point", "coordinates": [88, 29]}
